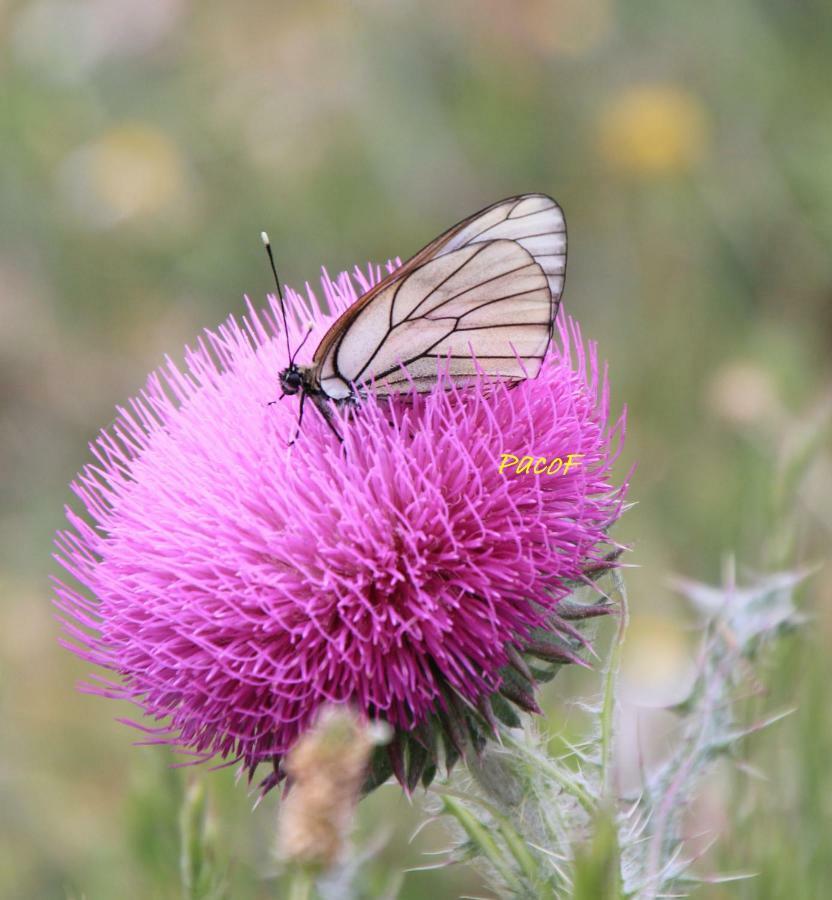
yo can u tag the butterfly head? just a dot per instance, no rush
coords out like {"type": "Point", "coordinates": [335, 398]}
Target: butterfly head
{"type": "Point", "coordinates": [291, 379]}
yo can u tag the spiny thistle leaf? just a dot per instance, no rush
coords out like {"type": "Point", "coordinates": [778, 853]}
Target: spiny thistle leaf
{"type": "Point", "coordinates": [580, 840]}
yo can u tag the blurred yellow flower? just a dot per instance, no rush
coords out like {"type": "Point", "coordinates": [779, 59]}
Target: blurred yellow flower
{"type": "Point", "coordinates": [131, 170]}
{"type": "Point", "coordinates": [653, 129]}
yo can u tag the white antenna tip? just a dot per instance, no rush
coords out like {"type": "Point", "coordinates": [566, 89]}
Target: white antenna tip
{"type": "Point", "coordinates": [264, 238]}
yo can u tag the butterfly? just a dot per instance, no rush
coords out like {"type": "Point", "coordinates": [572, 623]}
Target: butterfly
{"type": "Point", "coordinates": [482, 297]}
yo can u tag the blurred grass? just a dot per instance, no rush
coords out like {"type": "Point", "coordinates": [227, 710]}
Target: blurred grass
{"type": "Point", "coordinates": [146, 145]}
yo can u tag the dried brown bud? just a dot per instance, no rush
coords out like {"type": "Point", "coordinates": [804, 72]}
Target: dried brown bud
{"type": "Point", "coordinates": [326, 770]}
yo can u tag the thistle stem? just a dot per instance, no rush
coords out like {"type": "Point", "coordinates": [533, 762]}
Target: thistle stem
{"type": "Point", "coordinates": [609, 704]}
{"type": "Point", "coordinates": [301, 885]}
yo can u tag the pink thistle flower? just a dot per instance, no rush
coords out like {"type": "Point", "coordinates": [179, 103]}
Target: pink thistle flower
{"type": "Point", "coordinates": [235, 584]}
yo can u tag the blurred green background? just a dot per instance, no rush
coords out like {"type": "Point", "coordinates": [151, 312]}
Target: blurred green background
{"type": "Point", "coordinates": [143, 147]}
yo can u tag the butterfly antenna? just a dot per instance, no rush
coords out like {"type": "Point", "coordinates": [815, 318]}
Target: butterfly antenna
{"type": "Point", "coordinates": [300, 345]}
{"type": "Point", "coordinates": [267, 244]}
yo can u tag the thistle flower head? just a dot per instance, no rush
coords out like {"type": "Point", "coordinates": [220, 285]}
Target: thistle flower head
{"type": "Point", "coordinates": [234, 583]}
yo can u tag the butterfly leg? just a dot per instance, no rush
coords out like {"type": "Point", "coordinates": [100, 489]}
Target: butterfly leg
{"type": "Point", "coordinates": [322, 406]}
{"type": "Point", "coordinates": [300, 418]}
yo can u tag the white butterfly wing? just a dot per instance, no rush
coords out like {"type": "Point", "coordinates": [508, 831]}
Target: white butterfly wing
{"type": "Point", "coordinates": [483, 295]}
{"type": "Point", "coordinates": [535, 221]}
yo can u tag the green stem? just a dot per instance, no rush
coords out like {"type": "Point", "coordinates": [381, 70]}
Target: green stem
{"type": "Point", "coordinates": [610, 682]}
{"type": "Point", "coordinates": [301, 885]}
